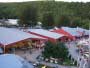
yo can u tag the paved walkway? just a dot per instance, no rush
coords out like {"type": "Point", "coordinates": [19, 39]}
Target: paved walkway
{"type": "Point", "coordinates": [28, 55]}
{"type": "Point", "coordinates": [72, 51]}
{"type": "Point", "coordinates": [32, 57]}
{"type": "Point", "coordinates": [36, 52]}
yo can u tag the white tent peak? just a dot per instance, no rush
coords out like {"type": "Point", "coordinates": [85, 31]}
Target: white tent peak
{"type": "Point", "coordinates": [12, 61]}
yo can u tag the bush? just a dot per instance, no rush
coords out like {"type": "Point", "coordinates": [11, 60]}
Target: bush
{"type": "Point", "coordinates": [57, 50]}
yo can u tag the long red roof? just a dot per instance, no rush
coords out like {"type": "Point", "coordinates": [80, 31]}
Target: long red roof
{"type": "Point", "coordinates": [61, 31]}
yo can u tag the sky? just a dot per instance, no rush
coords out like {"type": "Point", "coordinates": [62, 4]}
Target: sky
{"type": "Point", "coordinates": [41, 0]}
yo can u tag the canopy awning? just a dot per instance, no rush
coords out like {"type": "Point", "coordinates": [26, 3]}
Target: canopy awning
{"type": "Point", "coordinates": [9, 36]}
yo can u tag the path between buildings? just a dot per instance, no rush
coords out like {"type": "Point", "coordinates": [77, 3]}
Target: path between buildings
{"type": "Point", "coordinates": [72, 51]}
{"type": "Point", "coordinates": [32, 57]}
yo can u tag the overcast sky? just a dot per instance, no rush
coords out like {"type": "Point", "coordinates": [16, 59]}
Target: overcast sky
{"type": "Point", "coordinates": [37, 0]}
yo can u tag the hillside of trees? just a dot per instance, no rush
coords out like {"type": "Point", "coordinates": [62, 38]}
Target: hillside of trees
{"type": "Point", "coordinates": [50, 13]}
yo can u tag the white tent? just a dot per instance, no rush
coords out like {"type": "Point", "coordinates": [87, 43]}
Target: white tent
{"type": "Point", "coordinates": [76, 31]}
{"type": "Point", "coordinates": [82, 30]}
{"type": "Point", "coordinates": [46, 33]}
{"type": "Point", "coordinates": [71, 31]}
{"type": "Point", "coordinates": [13, 61]}
{"type": "Point", "coordinates": [83, 42]}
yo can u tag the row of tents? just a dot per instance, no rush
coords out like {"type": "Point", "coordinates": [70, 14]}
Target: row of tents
{"type": "Point", "coordinates": [10, 37]}
{"type": "Point", "coordinates": [62, 34]}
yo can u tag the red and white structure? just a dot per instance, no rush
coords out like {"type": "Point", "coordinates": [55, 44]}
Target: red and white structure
{"type": "Point", "coordinates": [76, 32]}
{"type": "Point", "coordinates": [67, 36]}
{"type": "Point", "coordinates": [51, 36]}
{"type": "Point", "coordinates": [10, 36]}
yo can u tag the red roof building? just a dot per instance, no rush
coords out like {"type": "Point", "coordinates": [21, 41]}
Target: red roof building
{"type": "Point", "coordinates": [66, 34]}
{"type": "Point", "coordinates": [51, 36]}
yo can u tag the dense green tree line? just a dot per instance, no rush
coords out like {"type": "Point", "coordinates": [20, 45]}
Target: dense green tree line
{"type": "Point", "coordinates": [50, 13]}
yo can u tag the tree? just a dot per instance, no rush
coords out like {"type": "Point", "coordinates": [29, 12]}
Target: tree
{"type": "Point", "coordinates": [28, 16]}
{"type": "Point", "coordinates": [48, 20]}
{"type": "Point", "coordinates": [85, 23]}
{"type": "Point", "coordinates": [57, 50]}
{"type": "Point", "coordinates": [56, 11]}
{"type": "Point", "coordinates": [64, 21]}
